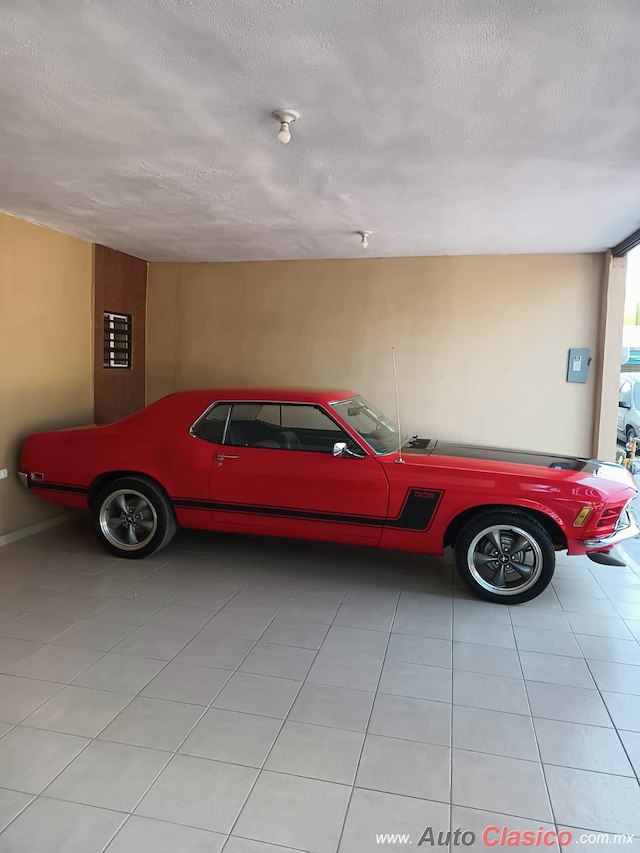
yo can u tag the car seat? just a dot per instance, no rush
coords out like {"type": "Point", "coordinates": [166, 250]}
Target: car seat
{"type": "Point", "coordinates": [289, 440]}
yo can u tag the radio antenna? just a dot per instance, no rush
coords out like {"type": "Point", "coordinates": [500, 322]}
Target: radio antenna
{"type": "Point", "coordinates": [395, 382]}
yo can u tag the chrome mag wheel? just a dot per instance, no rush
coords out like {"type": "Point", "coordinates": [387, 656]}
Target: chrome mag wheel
{"type": "Point", "coordinates": [505, 560]}
{"type": "Point", "coordinates": [127, 519]}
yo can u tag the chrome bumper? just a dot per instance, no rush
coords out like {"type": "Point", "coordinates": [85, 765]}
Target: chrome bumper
{"type": "Point", "coordinates": [626, 528]}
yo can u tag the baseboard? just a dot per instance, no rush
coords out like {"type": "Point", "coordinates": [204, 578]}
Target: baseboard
{"type": "Point", "coordinates": [31, 529]}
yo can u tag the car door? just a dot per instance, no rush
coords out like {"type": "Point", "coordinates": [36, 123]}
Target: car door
{"type": "Point", "coordinates": [624, 404]}
{"type": "Point", "coordinates": [275, 473]}
{"type": "Point", "coordinates": [633, 414]}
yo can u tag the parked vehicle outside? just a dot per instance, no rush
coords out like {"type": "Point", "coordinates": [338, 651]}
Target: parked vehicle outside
{"type": "Point", "coordinates": [629, 406]}
{"type": "Point", "coordinates": [327, 465]}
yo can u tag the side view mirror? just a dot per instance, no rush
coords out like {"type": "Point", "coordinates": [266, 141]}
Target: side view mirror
{"type": "Point", "coordinates": [340, 448]}
{"type": "Point", "coordinates": [623, 405]}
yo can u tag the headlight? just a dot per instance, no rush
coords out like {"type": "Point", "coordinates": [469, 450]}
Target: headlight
{"type": "Point", "coordinates": [624, 520]}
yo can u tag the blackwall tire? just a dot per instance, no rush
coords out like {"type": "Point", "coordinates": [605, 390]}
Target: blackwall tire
{"type": "Point", "coordinates": [133, 517]}
{"type": "Point", "coordinates": [506, 557]}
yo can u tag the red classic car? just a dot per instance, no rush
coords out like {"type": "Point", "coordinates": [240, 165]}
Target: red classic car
{"type": "Point", "coordinates": [326, 465]}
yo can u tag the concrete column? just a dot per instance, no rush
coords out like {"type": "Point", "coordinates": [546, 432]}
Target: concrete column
{"type": "Point", "coordinates": [607, 358]}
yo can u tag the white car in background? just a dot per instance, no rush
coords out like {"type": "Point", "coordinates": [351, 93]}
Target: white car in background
{"type": "Point", "coordinates": [629, 406]}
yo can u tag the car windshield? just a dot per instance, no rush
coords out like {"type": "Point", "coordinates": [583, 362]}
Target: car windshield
{"type": "Point", "coordinates": [380, 433]}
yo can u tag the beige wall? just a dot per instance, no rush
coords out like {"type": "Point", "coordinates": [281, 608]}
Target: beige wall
{"type": "Point", "coordinates": [46, 378]}
{"type": "Point", "coordinates": [162, 330]}
{"type": "Point", "coordinates": [481, 342]}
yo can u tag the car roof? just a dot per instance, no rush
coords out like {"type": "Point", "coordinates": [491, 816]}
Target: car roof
{"type": "Point", "coordinates": [266, 394]}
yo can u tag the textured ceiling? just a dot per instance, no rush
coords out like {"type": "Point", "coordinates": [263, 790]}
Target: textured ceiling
{"type": "Point", "coordinates": [443, 126]}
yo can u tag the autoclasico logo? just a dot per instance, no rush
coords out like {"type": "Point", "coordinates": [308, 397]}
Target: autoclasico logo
{"type": "Point", "coordinates": [497, 836]}
{"type": "Point", "coordinates": [503, 836]}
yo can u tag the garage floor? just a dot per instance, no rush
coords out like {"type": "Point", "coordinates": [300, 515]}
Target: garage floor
{"type": "Point", "coordinates": [235, 686]}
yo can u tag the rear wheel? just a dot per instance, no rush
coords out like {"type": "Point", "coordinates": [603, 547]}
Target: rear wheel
{"type": "Point", "coordinates": [133, 517]}
{"type": "Point", "coordinates": [505, 557]}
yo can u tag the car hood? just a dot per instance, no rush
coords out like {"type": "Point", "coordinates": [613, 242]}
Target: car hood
{"type": "Point", "coordinates": [558, 462]}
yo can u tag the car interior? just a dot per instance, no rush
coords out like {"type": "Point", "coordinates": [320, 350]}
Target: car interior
{"type": "Point", "coordinates": [273, 426]}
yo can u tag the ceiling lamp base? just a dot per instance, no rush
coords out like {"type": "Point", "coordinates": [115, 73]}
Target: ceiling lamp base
{"type": "Point", "coordinates": [285, 117]}
{"type": "Point", "coordinates": [364, 241]}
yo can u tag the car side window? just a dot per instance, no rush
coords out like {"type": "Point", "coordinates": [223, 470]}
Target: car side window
{"type": "Point", "coordinates": [211, 426]}
{"type": "Point", "coordinates": [625, 393]}
{"type": "Point", "coordinates": [283, 426]}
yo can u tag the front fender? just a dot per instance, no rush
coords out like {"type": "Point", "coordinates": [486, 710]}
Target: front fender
{"type": "Point", "coordinates": [504, 502]}
{"type": "Point", "coordinates": [454, 512]}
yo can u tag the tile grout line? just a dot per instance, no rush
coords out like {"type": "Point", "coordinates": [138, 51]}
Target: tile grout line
{"type": "Point", "coordinates": [109, 651]}
{"type": "Point", "coordinates": [613, 724]}
{"type": "Point", "coordinates": [535, 735]}
{"type": "Point", "coordinates": [133, 629]}
{"type": "Point", "coordinates": [253, 646]}
{"type": "Point", "coordinates": [261, 768]}
{"type": "Point", "coordinates": [597, 686]}
{"type": "Point", "coordinates": [366, 729]}
{"type": "Point", "coordinates": [206, 708]}
{"type": "Point", "coordinates": [94, 738]}
{"type": "Point", "coordinates": [79, 619]}
{"type": "Point", "coordinates": [34, 797]}
{"type": "Point", "coordinates": [89, 740]}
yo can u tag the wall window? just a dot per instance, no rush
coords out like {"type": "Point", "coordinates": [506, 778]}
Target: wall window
{"type": "Point", "coordinates": [117, 340]}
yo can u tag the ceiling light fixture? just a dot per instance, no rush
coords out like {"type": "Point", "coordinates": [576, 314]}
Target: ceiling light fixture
{"type": "Point", "coordinates": [364, 239]}
{"type": "Point", "coordinates": [285, 117]}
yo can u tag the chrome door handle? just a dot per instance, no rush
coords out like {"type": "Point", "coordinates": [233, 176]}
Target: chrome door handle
{"type": "Point", "coordinates": [222, 456]}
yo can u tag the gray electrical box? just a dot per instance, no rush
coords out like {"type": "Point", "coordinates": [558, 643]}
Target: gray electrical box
{"type": "Point", "coordinates": [578, 367]}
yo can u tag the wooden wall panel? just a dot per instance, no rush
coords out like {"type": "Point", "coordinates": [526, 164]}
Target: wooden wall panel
{"type": "Point", "coordinates": [120, 283]}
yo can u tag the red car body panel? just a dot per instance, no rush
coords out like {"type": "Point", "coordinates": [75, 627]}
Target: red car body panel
{"type": "Point", "coordinates": [377, 500]}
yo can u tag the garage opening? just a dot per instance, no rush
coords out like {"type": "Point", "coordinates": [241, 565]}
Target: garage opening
{"type": "Point", "coordinates": [629, 397]}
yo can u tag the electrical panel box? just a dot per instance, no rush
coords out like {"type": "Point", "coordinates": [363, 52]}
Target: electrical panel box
{"type": "Point", "coordinates": [578, 367]}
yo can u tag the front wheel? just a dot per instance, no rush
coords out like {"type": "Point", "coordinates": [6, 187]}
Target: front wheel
{"type": "Point", "coordinates": [133, 517]}
{"type": "Point", "coordinates": [631, 433]}
{"type": "Point", "coordinates": [505, 557]}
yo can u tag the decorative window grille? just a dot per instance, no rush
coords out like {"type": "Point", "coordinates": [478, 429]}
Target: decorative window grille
{"type": "Point", "coordinates": [117, 340]}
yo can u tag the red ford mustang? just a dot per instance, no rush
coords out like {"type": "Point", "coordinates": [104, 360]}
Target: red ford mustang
{"type": "Point", "coordinates": [325, 465]}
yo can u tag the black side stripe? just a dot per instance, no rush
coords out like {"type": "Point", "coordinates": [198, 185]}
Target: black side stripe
{"type": "Point", "coordinates": [416, 514]}
{"type": "Point", "coordinates": [58, 487]}
{"type": "Point", "coordinates": [418, 510]}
